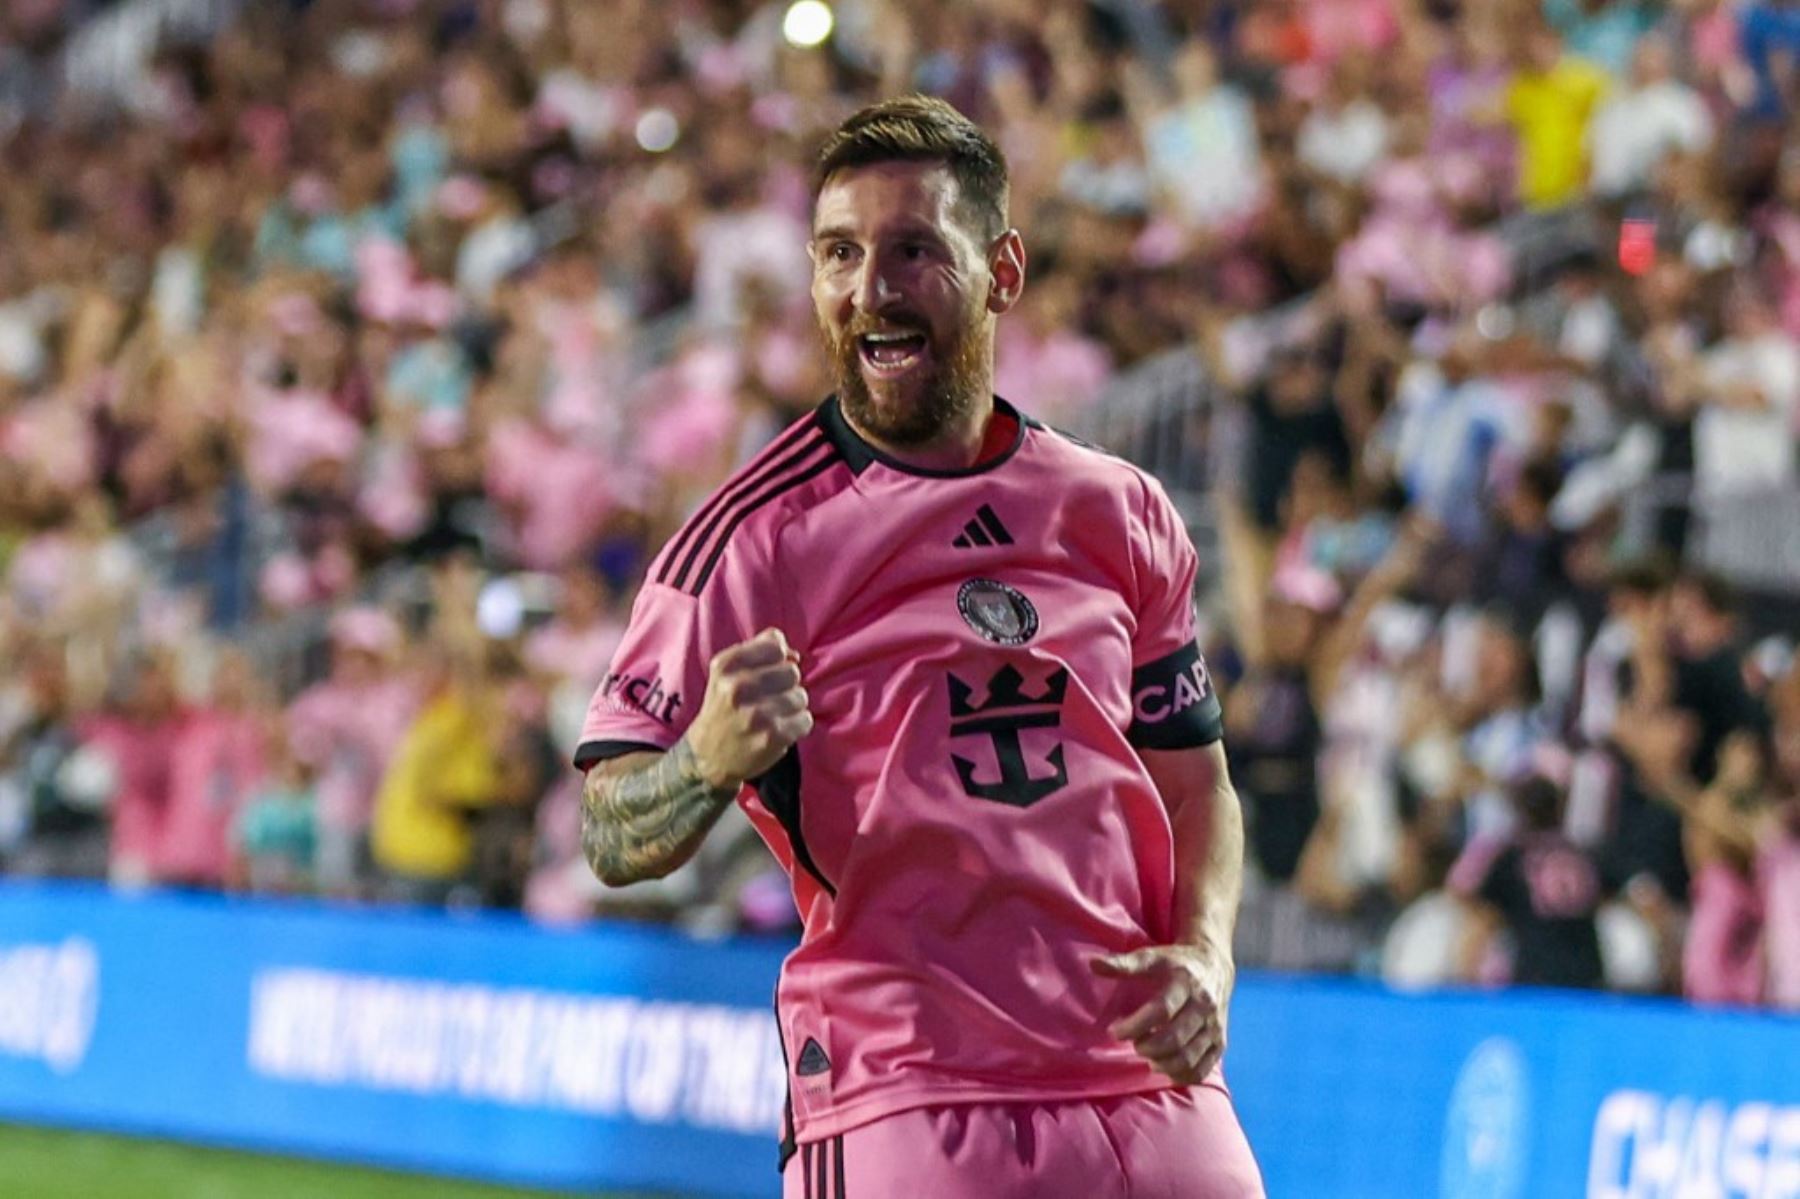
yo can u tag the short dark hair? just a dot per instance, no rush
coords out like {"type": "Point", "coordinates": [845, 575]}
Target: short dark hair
{"type": "Point", "coordinates": [1642, 577]}
{"type": "Point", "coordinates": [924, 129]}
{"type": "Point", "coordinates": [1541, 479]}
{"type": "Point", "coordinates": [1539, 802]}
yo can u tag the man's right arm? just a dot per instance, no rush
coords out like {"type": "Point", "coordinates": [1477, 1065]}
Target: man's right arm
{"type": "Point", "coordinates": [644, 814]}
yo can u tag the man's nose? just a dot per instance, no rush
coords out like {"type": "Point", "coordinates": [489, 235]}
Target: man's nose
{"type": "Point", "coordinates": [874, 290]}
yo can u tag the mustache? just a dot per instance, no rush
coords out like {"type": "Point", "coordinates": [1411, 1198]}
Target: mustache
{"type": "Point", "coordinates": [900, 322]}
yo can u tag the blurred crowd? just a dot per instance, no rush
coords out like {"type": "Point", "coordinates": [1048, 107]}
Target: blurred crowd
{"type": "Point", "coordinates": [355, 355]}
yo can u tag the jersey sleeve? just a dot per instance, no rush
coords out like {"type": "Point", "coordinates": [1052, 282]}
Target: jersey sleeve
{"type": "Point", "coordinates": [653, 688]}
{"type": "Point", "coordinates": [1173, 704]}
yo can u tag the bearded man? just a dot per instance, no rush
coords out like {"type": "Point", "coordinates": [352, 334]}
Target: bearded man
{"type": "Point", "coordinates": [945, 657]}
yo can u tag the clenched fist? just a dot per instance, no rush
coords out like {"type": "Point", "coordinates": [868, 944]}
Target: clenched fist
{"type": "Point", "coordinates": [754, 710]}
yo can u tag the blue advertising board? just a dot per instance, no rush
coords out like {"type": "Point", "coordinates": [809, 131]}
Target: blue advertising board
{"type": "Point", "coordinates": [632, 1058]}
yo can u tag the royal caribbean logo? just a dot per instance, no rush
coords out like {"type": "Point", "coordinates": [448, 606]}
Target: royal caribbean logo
{"type": "Point", "coordinates": [1006, 713]}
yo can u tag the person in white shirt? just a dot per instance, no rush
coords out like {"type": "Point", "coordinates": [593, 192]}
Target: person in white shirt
{"type": "Point", "coordinates": [1750, 383]}
{"type": "Point", "coordinates": [1346, 133]}
{"type": "Point", "coordinates": [1203, 152]}
{"type": "Point", "coordinates": [1639, 125]}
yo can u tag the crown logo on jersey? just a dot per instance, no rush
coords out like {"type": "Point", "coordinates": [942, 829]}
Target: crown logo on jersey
{"type": "Point", "coordinates": [1006, 716]}
{"type": "Point", "coordinates": [1006, 690]}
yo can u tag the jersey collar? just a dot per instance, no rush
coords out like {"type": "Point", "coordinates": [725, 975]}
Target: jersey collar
{"type": "Point", "coordinates": [859, 454]}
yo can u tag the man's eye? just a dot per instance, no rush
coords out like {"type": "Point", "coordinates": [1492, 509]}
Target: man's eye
{"type": "Point", "coordinates": [913, 251]}
{"type": "Point", "coordinates": [841, 251]}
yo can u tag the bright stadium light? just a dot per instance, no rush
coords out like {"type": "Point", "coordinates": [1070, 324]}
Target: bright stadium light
{"type": "Point", "coordinates": [808, 23]}
{"type": "Point", "coordinates": [657, 130]}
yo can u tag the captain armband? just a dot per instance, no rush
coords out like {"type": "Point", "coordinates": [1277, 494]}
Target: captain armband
{"type": "Point", "coordinates": [1173, 704]}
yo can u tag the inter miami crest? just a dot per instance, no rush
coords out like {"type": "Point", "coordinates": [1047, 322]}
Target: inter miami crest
{"type": "Point", "coordinates": [998, 612]}
{"type": "Point", "coordinates": [1007, 712]}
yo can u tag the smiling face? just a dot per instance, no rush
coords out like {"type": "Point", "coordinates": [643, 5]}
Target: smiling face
{"type": "Point", "coordinates": [906, 295]}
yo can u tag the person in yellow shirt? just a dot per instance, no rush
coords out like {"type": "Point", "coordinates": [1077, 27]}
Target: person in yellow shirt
{"type": "Point", "coordinates": [1549, 102]}
{"type": "Point", "coordinates": [447, 768]}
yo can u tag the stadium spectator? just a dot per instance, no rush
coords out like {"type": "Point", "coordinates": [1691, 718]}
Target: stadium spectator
{"type": "Point", "coordinates": [342, 732]}
{"type": "Point", "coordinates": [1549, 102]}
{"type": "Point", "coordinates": [447, 768]}
{"type": "Point", "coordinates": [1640, 123]}
{"type": "Point", "coordinates": [217, 760]}
{"type": "Point", "coordinates": [1201, 143]}
{"type": "Point", "coordinates": [1540, 889]}
{"type": "Point", "coordinates": [1722, 957]}
{"type": "Point", "coordinates": [1770, 34]}
{"type": "Point", "coordinates": [1778, 847]}
{"type": "Point", "coordinates": [1346, 133]}
{"type": "Point", "coordinates": [1605, 32]}
{"type": "Point", "coordinates": [136, 735]}
{"type": "Point", "coordinates": [274, 837]}
{"type": "Point", "coordinates": [58, 826]}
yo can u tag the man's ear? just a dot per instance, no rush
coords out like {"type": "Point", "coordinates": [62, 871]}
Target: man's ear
{"type": "Point", "coordinates": [1006, 265]}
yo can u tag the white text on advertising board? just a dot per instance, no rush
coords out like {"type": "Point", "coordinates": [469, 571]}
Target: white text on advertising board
{"type": "Point", "coordinates": [700, 1064]}
{"type": "Point", "coordinates": [49, 997]}
{"type": "Point", "coordinates": [1650, 1146]}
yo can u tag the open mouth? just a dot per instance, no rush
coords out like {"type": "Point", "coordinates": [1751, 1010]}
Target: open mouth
{"type": "Point", "coordinates": [890, 355]}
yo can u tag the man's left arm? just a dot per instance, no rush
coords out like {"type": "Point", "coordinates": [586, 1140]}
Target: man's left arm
{"type": "Point", "coordinates": [1182, 1031]}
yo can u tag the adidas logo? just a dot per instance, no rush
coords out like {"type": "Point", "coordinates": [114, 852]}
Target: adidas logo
{"type": "Point", "coordinates": [812, 1059]}
{"type": "Point", "coordinates": [985, 529]}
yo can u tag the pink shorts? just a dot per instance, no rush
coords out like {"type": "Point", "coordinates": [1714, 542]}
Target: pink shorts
{"type": "Point", "coordinates": [1174, 1144]}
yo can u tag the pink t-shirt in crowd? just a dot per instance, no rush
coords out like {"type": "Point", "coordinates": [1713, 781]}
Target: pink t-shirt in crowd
{"type": "Point", "coordinates": [142, 754]}
{"type": "Point", "coordinates": [534, 472]}
{"type": "Point", "coordinates": [349, 732]}
{"type": "Point", "coordinates": [1722, 957]}
{"type": "Point", "coordinates": [970, 823]}
{"type": "Point", "coordinates": [1341, 26]}
{"type": "Point", "coordinates": [1778, 874]}
{"type": "Point", "coordinates": [217, 761]}
{"type": "Point", "coordinates": [180, 783]}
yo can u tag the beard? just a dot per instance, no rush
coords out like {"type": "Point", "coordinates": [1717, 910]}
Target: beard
{"type": "Point", "coordinates": [947, 391]}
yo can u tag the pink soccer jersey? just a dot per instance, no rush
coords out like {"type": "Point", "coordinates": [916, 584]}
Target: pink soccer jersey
{"type": "Point", "coordinates": [969, 823]}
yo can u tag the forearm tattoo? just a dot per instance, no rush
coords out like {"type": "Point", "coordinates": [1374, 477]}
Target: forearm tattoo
{"type": "Point", "coordinates": [642, 823]}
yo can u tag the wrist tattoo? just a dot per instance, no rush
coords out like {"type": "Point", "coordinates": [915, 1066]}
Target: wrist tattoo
{"type": "Point", "coordinates": [644, 822]}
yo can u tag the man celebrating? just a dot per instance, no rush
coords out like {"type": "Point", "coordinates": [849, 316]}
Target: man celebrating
{"type": "Point", "coordinates": [946, 659]}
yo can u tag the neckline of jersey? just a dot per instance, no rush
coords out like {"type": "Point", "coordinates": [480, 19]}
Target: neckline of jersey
{"type": "Point", "coordinates": [859, 453]}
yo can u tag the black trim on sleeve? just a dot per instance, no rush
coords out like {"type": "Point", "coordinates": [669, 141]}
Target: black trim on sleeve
{"type": "Point", "coordinates": [773, 492]}
{"type": "Point", "coordinates": [1173, 704]}
{"type": "Point", "coordinates": [747, 494]}
{"type": "Point", "coordinates": [591, 753]}
{"type": "Point", "coordinates": [779, 790]}
{"type": "Point", "coordinates": [751, 475]}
